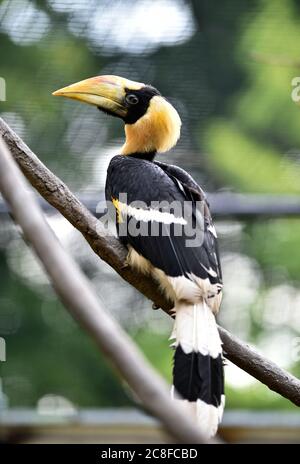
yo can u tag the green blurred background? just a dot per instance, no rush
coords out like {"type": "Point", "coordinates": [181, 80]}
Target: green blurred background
{"type": "Point", "coordinates": [227, 67]}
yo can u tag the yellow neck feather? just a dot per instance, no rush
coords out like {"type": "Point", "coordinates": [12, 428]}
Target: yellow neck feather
{"type": "Point", "coordinates": [158, 130]}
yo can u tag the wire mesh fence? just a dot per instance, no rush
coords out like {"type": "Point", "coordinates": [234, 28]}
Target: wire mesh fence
{"type": "Point", "coordinates": [228, 70]}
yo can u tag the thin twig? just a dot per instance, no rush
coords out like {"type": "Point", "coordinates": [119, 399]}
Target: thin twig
{"type": "Point", "coordinates": [75, 291]}
{"type": "Point", "coordinates": [110, 250]}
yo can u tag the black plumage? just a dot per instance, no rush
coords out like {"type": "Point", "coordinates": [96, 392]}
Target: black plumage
{"type": "Point", "coordinates": [149, 182]}
{"type": "Point", "coordinates": [197, 376]}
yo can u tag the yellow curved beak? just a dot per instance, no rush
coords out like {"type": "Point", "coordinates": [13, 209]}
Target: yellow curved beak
{"type": "Point", "coordinates": [105, 92]}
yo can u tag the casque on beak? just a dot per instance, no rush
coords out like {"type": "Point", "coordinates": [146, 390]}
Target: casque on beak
{"type": "Point", "coordinates": [105, 92]}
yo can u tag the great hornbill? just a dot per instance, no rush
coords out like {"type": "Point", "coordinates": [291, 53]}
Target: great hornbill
{"type": "Point", "coordinates": [185, 264]}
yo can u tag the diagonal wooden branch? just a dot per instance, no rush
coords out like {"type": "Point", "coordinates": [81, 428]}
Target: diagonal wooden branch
{"type": "Point", "coordinates": [79, 298]}
{"type": "Point", "coordinates": [110, 250]}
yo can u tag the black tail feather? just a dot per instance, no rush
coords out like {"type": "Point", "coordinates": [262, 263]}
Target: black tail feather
{"type": "Point", "coordinates": [197, 376]}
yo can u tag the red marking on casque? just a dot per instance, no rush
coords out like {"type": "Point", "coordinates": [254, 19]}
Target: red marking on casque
{"type": "Point", "coordinates": [105, 80]}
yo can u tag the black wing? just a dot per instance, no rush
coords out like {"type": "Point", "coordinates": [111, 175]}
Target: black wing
{"type": "Point", "coordinates": [167, 250]}
{"type": "Point", "coordinates": [195, 192]}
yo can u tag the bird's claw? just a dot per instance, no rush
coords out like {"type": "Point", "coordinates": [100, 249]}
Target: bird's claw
{"type": "Point", "coordinates": [125, 265]}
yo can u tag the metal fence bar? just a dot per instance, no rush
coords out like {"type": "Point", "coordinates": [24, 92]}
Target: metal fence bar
{"type": "Point", "coordinates": [223, 205]}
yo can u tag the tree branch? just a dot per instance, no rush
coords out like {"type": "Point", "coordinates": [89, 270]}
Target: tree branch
{"type": "Point", "coordinates": [75, 291]}
{"type": "Point", "coordinates": [110, 250]}
{"type": "Point", "coordinates": [250, 360]}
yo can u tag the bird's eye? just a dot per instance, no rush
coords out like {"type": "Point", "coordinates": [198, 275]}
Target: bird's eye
{"type": "Point", "coordinates": [131, 99]}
